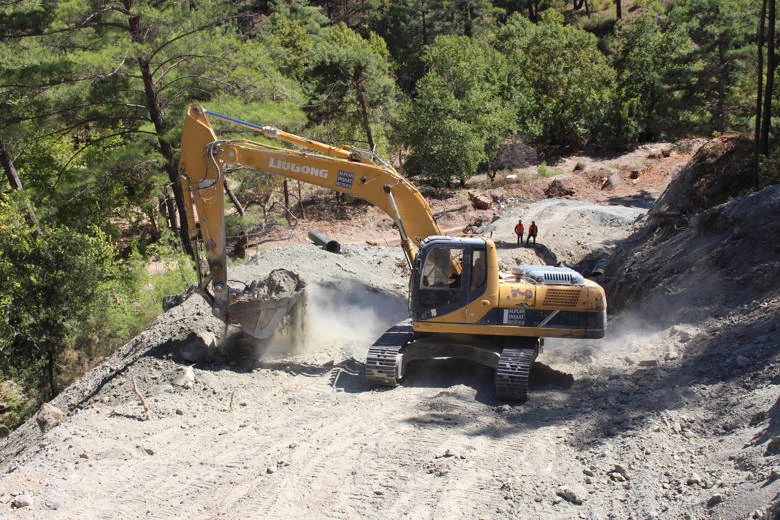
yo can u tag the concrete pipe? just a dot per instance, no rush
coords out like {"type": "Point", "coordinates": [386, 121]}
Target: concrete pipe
{"type": "Point", "coordinates": [599, 267]}
{"type": "Point", "coordinates": [321, 239]}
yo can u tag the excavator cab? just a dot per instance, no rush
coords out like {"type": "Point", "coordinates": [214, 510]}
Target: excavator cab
{"type": "Point", "coordinates": [454, 302]}
{"type": "Point", "coordinates": [448, 274]}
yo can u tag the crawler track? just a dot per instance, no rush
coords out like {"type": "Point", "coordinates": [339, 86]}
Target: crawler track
{"type": "Point", "coordinates": [382, 361]}
{"type": "Point", "coordinates": [514, 367]}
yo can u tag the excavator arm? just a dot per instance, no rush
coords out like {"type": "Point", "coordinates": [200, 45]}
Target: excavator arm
{"type": "Point", "coordinates": [205, 158]}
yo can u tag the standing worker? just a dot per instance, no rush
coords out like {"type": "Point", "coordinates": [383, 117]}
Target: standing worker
{"type": "Point", "coordinates": [519, 230]}
{"type": "Point", "coordinates": [532, 231]}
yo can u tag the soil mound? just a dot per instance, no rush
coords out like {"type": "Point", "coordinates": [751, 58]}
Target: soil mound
{"type": "Point", "coordinates": [721, 257]}
{"type": "Point", "coordinates": [700, 248]}
{"type": "Point", "coordinates": [280, 283]}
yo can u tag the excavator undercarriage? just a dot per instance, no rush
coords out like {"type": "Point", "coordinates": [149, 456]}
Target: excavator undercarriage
{"type": "Point", "coordinates": [511, 358]}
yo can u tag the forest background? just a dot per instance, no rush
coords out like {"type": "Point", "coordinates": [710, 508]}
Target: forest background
{"type": "Point", "coordinates": [93, 94]}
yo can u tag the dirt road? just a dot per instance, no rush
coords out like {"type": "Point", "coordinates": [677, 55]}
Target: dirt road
{"type": "Point", "coordinates": [654, 421]}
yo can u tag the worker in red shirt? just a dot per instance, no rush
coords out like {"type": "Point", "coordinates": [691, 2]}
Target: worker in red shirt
{"type": "Point", "coordinates": [532, 231]}
{"type": "Point", "coordinates": [519, 230]}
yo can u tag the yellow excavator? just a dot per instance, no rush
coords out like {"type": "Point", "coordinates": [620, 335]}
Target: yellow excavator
{"type": "Point", "coordinates": [461, 306]}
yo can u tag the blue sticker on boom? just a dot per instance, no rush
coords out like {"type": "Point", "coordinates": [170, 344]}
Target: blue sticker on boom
{"type": "Point", "coordinates": [345, 179]}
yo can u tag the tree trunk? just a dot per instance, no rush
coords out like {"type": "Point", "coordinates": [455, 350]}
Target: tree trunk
{"type": "Point", "coordinates": [16, 184]}
{"type": "Point", "coordinates": [364, 115]}
{"type": "Point", "coordinates": [50, 359]}
{"type": "Point", "coordinates": [721, 103]}
{"type": "Point", "coordinates": [8, 167]}
{"type": "Point", "coordinates": [770, 73]}
{"type": "Point", "coordinates": [233, 199]}
{"type": "Point", "coordinates": [170, 206]}
{"type": "Point", "coordinates": [286, 192]}
{"type": "Point", "coordinates": [468, 20]}
{"type": "Point", "coordinates": [577, 4]}
{"type": "Point", "coordinates": [300, 201]}
{"type": "Point", "coordinates": [152, 216]}
{"type": "Point", "coordinates": [171, 168]}
{"type": "Point", "coordinates": [618, 9]}
{"type": "Point", "coordinates": [155, 113]}
{"type": "Point", "coordinates": [759, 90]}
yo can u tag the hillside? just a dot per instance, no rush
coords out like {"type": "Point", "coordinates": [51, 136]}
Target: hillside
{"type": "Point", "coordinates": [675, 414]}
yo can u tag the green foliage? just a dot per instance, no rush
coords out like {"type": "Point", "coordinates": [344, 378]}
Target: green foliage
{"type": "Point", "coordinates": [409, 27]}
{"type": "Point", "coordinates": [458, 119]}
{"type": "Point", "coordinates": [769, 168]}
{"type": "Point", "coordinates": [292, 30]}
{"type": "Point", "coordinates": [352, 90]}
{"type": "Point", "coordinates": [256, 190]}
{"type": "Point", "coordinates": [714, 84]}
{"type": "Point", "coordinates": [136, 299]}
{"type": "Point", "coordinates": [545, 171]}
{"type": "Point", "coordinates": [54, 280]}
{"type": "Point", "coordinates": [67, 302]}
{"type": "Point", "coordinates": [559, 84]}
{"type": "Point", "coordinates": [18, 407]}
{"type": "Point", "coordinates": [646, 56]}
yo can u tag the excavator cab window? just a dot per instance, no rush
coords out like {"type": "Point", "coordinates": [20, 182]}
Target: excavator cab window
{"type": "Point", "coordinates": [440, 286]}
{"type": "Point", "coordinates": [478, 281]}
{"type": "Point", "coordinates": [449, 275]}
{"type": "Point", "coordinates": [436, 270]}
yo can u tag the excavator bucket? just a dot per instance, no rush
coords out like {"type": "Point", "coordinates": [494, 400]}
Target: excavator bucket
{"type": "Point", "coordinates": [264, 304]}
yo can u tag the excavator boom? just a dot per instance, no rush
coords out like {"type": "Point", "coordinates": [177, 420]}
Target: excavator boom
{"type": "Point", "coordinates": [205, 158]}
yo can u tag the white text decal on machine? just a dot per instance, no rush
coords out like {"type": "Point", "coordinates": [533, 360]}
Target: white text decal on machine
{"type": "Point", "coordinates": [277, 164]}
{"type": "Point", "coordinates": [514, 316]}
{"type": "Point", "coordinates": [345, 179]}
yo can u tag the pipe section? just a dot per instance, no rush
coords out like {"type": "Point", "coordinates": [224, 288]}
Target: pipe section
{"type": "Point", "coordinates": [321, 239]}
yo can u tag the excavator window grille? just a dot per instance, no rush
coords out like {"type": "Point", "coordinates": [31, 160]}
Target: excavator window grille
{"type": "Point", "coordinates": [561, 297]}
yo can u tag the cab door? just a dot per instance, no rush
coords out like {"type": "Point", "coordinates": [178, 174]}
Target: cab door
{"type": "Point", "coordinates": [437, 290]}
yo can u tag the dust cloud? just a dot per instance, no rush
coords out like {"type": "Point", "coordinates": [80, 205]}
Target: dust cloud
{"type": "Point", "coordinates": [335, 320]}
{"type": "Point", "coordinates": [630, 340]}
{"type": "Point", "coordinates": [351, 315]}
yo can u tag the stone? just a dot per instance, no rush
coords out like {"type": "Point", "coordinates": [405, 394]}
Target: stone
{"type": "Point", "coordinates": [21, 501]}
{"type": "Point", "coordinates": [570, 494]}
{"type": "Point", "coordinates": [186, 379]}
{"type": "Point", "coordinates": [773, 447]}
{"type": "Point", "coordinates": [480, 201]}
{"type": "Point", "coordinates": [556, 189]}
{"type": "Point", "coordinates": [48, 417]}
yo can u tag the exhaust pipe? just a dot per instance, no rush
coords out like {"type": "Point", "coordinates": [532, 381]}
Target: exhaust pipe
{"type": "Point", "coordinates": [321, 239]}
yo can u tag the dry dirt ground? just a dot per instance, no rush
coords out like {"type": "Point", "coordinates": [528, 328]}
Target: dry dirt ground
{"type": "Point", "coordinates": [674, 414]}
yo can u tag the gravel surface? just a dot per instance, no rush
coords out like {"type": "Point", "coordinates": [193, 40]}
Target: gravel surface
{"type": "Point", "coordinates": [674, 414]}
